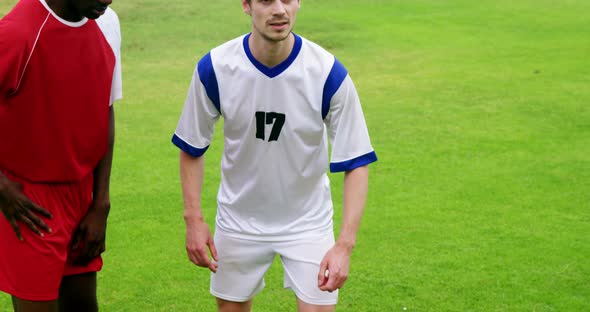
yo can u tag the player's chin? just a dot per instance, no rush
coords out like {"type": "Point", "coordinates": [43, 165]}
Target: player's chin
{"type": "Point", "coordinates": [278, 37]}
{"type": "Point", "coordinates": [94, 13]}
{"type": "Point", "coordinates": [92, 16]}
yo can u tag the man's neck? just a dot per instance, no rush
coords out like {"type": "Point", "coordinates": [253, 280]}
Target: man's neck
{"type": "Point", "coordinates": [271, 53]}
{"type": "Point", "coordinates": [61, 9]}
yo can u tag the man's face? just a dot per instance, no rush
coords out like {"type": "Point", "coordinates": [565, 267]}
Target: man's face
{"type": "Point", "coordinates": [272, 19]}
{"type": "Point", "coordinates": [92, 9]}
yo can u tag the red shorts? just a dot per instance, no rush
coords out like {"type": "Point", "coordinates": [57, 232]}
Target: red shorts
{"type": "Point", "coordinates": [33, 269]}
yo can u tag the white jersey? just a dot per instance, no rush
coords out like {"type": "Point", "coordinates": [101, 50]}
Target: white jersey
{"type": "Point", "coordinates": [277, 121]}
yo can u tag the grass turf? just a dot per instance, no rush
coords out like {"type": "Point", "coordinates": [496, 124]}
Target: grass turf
{"type": "Point", "coordinates": [478, 112]}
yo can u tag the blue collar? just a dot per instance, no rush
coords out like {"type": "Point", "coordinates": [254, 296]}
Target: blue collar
{"type": "Point", "coordinates": [272, 72]}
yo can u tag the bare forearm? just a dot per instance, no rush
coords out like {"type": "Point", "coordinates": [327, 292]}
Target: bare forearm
{"type": "Point", "coordinates": [191, 178]}
{"type": "Point", "coordinates": [102, 172]}
{"type": "Point", "coordinates": [355, 195]}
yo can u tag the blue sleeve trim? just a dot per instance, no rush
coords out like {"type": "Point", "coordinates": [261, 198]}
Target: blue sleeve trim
{"type": "Point", "coordinates": [209, 80]}
{"type": "Point", "coordinates": [354, 163]}
{"type": "Point", "coordinates": [335, 79]}
{"type": "Point", "coordinates": [187, 148]}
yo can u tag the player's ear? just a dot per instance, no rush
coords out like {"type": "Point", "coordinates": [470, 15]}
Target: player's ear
{"type": "Point", "coordinates": [246, 6]}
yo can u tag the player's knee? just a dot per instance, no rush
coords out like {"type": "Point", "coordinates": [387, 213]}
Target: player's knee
{"type": "Point", "coordinates": [78, 293]}
{"type": "Point", "coordinates": [74, 304]}
{"type": "Point", "coordinates": [232, 306]}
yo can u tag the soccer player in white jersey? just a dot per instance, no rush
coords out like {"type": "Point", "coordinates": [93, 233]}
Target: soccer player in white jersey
{"type": "Point", "coordinates": [59, 76]}
{"type": "Point", "coordinates": [282, 98]}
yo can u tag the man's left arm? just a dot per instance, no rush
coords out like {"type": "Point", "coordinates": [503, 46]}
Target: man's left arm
{"type": "Point", "coordinates": [335, 266]}
{"type": "Point", "coordinates": [351, 153]}
{"type": "Point", "coordinates": [91, 232]}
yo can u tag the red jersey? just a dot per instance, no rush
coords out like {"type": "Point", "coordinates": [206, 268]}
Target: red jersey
{"type": "Point", "coordinates": [55, 89]}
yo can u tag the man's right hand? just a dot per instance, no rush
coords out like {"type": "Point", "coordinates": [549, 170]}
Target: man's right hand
{"type": "Point", "coordinates": [17, 207]}
{"type": "Point", "coordinates": [198, 240]}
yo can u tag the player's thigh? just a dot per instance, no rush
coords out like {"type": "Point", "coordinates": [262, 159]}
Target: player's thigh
{"type": "Point", "coordinates": [301, 263]}
{"type": "Point", "coordinates": [241, 267]}
{"type": "Point", "coordinates": [78, 293]}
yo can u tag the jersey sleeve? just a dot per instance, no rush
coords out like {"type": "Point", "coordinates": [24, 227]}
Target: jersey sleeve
{"type": "Point", "coordinates": [201, 110]}
{"type": "Point", "coordinates": [345, 122]}
{"type": "Point", "coordinates": [111, 28]}
{"type": "Point", "coordinates": [117, 86]}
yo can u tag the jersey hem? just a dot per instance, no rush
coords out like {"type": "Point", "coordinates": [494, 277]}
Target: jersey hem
{"type": "Point", "coordinates": [320, 232]}
{"type": "Point", "coordinates": [38, 297]}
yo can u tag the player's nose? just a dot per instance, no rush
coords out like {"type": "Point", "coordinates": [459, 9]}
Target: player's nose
{"type": "Point", "coordinates": [278, 8]}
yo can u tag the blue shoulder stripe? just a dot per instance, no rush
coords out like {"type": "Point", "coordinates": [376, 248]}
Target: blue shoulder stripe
{"type": "Point", "coordinates": [187, 148]}
{"type": "Point", "coordinates": [209, 80]}
{"type": "Point", "coordinates": [335, 79]}
{"type": "Point", "coordinates": [354, 163]}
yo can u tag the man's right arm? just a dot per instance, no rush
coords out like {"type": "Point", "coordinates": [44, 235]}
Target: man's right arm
{"type": "Point", "coordinates": [198, 235]}
{"type": "Point", "coordinates": [17, 207]}
{"type": "Point", "coordinates": [14, 205]}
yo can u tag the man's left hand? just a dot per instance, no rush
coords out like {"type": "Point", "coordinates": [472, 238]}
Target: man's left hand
{"type": "Point", "coordinates": [90, 234]}
{"type": "Point", "coordinates": [336, 263]}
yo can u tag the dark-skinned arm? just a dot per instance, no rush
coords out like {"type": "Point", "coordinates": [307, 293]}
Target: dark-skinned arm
{"type": "Point", "coordinates": [91, 232]}
{"type": "Point", "coordinates": [15, 206]}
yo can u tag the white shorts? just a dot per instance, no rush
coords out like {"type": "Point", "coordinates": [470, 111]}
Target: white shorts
{"type": "Point", "coordinates": [243, 263]}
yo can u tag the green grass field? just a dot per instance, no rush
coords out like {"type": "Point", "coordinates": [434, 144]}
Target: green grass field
{"type": "Point", "coordinates": [479, 113]}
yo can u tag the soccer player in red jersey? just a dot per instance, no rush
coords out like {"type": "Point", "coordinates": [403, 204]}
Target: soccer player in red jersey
{"type": "Point", "coordinates": [59, 75]}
